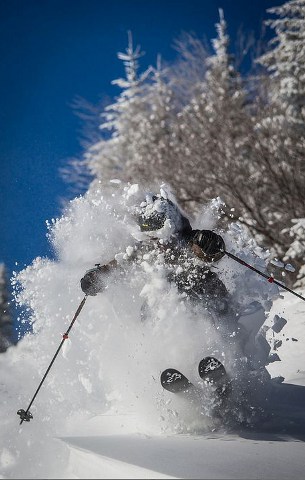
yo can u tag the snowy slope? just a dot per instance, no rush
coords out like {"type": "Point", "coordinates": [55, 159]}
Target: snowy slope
{"type": "Point", "coordinates": [208, 456]}
{"type": "Point", "coordinates": [102, 413]}
{"type": "Point", "coordinates": [100, 449]}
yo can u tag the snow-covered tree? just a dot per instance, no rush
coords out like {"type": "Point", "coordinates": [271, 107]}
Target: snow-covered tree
{"type": "Point", "coordinates": [280, 130]}
{"type": "Point", "coordinates": [214, 126]}
{"type": "Point", "coordinates": [153, 152]}
{"type": "Point", "coordinates": [285, 62]}
{"type": "Point", "coordinates": [108, 157]}
{"type": "Point", "coordinates": [5, 316]}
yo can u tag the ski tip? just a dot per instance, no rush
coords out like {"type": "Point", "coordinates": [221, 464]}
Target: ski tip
{"type": "Point", "coordinates": [211, 369]}
{"type": "Point", "coordinates": [174, 381]}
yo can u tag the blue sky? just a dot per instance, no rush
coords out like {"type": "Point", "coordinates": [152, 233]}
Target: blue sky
{"type": "Point", "coordinates": [52, 51]}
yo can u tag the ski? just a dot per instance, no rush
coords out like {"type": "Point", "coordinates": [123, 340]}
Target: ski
{"type": "Point", "coordinates": [212, 400]}
{"type": "Point", "coordinates": [213, 372]}
{"type": "Point", "coordinates": [210, 369]}
{"type": "Point", "coordinates": [175, 382]}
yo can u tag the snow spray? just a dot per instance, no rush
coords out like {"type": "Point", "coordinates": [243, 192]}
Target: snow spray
{"type": "Point", "coordinates": [268, 277]}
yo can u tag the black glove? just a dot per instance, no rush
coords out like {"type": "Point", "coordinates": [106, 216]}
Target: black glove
{"type": "Point", "coordinates": [91, 283]}
{"type": "Point", "coordinates": [208, 245]}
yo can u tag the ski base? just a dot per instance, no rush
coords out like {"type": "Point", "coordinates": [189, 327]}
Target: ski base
{"type": "Point", "coordinates": [174, 381]}
{"type": "Point", "coordinates": [212, 371]}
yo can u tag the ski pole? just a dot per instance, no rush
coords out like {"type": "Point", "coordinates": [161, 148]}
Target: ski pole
{"type": "Point", "coordinates": [25, 415]}
{"type": "Point", "coordinates": [268, 277]}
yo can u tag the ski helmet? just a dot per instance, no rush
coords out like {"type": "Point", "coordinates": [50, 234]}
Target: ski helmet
{"type": "Point", "coordinates": [153, 213]}
{"type": "Point", "coordinates": [156, 210]}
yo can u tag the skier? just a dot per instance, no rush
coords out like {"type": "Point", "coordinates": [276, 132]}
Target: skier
{"type": "Point", "coordinates": [188, 256]}
{"type": "Point", "coordinates": [169, 236]}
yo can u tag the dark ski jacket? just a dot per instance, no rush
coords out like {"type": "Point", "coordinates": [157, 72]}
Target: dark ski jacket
{"type": "Point", "coordinates": [184, 258]}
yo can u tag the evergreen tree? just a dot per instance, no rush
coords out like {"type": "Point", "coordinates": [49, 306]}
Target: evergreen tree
{"type": "Point", "coordinates": [286, 62]}
{"type": "Point", "coordinates": [152, 156]}
{"type": "Point", "coordinates": [6, 324]}
{"type": "Point", "coordinates": [108, 157]}
{"type": "Point", "coordinates": [215, 128]}
{"type": "Point", "coordinates": [280, 129]}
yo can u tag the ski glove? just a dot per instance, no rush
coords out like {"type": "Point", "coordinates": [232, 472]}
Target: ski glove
{"type": "Point", "coordinates": [208, 245]}
{"type": "Point", "coordinates": [91, 283]}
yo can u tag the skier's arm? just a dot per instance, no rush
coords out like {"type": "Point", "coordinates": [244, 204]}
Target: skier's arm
{"type": "Point", "coordinates": [207, 245]}
{"type": "Point", "coordinates": [93, 281]}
